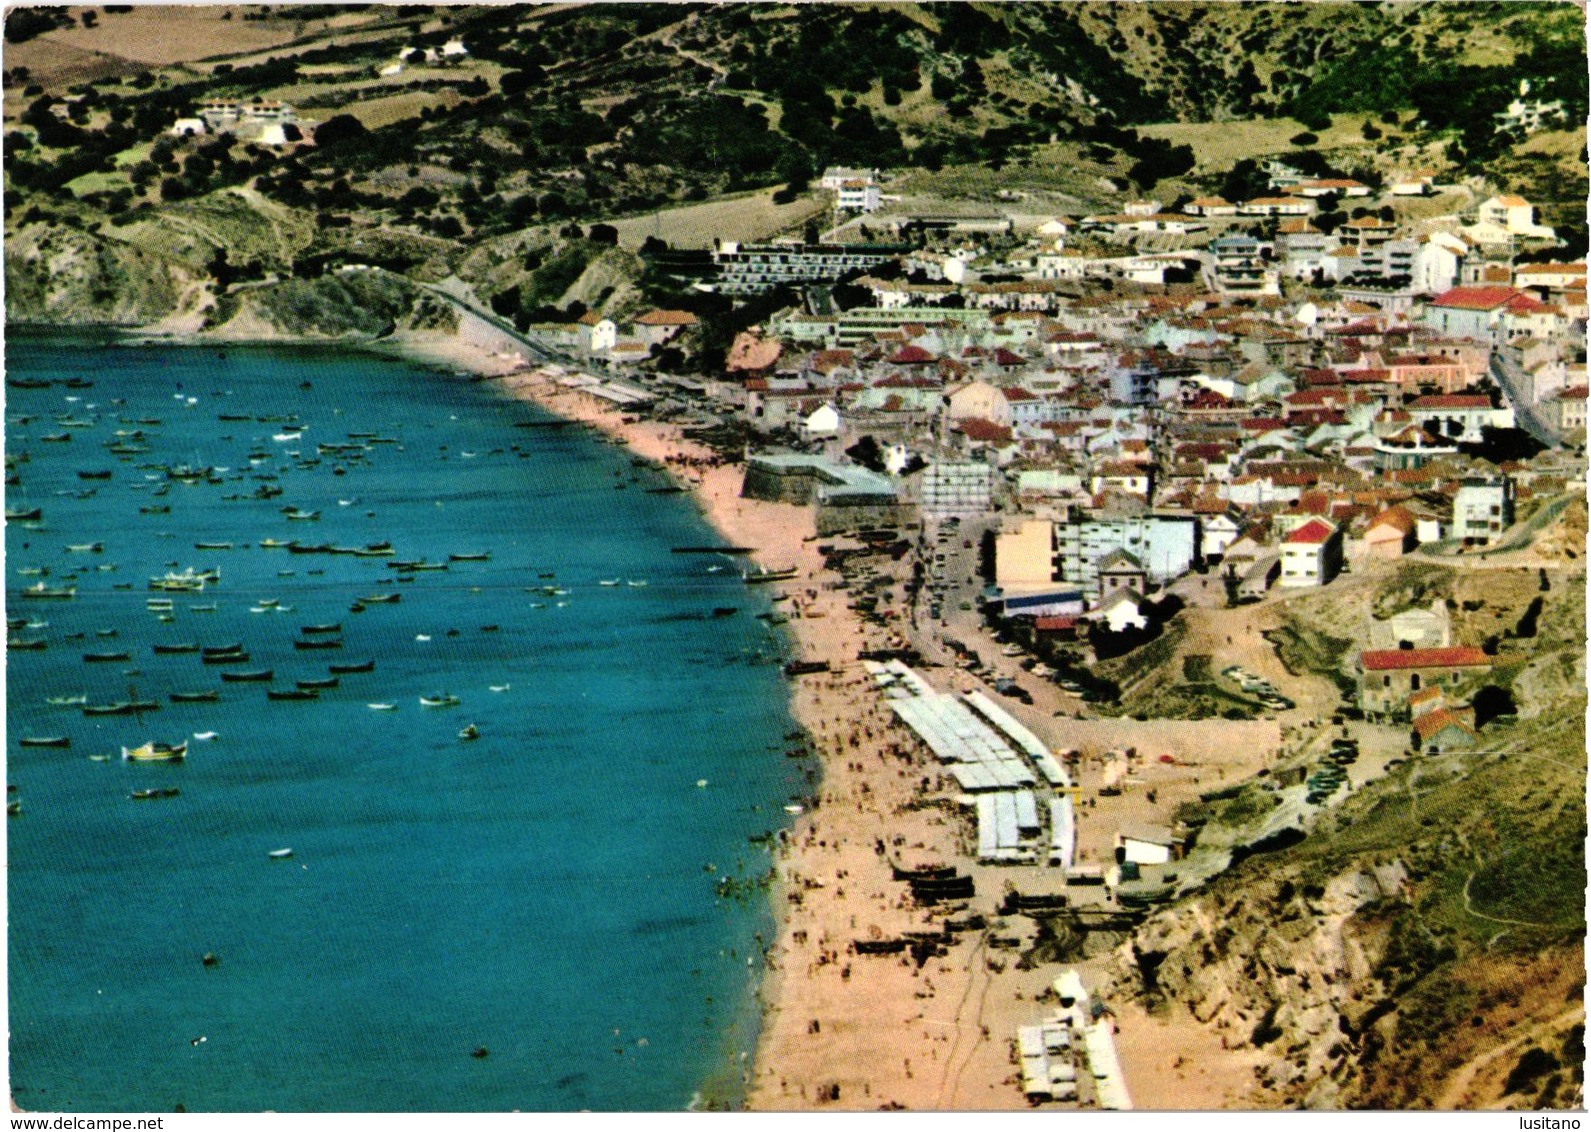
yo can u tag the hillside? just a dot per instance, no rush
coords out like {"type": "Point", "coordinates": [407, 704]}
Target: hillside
{"type": "Point", "coordinates": [582, 113]}
{"type": "Point", "coordinates": [1427, 934]}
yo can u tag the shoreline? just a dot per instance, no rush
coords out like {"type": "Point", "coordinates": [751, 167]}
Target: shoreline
{"type": "Point", "coordinates": [836, 1031]}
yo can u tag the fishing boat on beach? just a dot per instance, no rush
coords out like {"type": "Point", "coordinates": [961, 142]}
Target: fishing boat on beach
{"type": "Point", "coordinates": [754, 577]}
{"type": "Point", "coordinates": [156, 753]}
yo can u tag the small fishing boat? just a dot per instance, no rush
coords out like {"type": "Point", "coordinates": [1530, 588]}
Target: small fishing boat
{"type": "Point", "coordinates": [212, 546]}
{"type": "Point", "coordinates": [45, 741]}
{"type": "Point", "coordinates": [311, 630]}
{"type": "Point", "coordinates": [382, 599]}
{"type": "Point", "coordinates": [207, 607]}
{"type": "Point", "coordinates": [471, 556]}
{"type": "Point", "coordinates": [104, 657]}
{"type": "Point", "coordinates": [208, 696]}
{"type": "Point", "coordinates": [498, 687]}
{"type": "Point", "coordinates": [755, 577]}
{"type": "Point", "coordinates": [42, 592]}
{"type": "Point", "coordinates": [206, 736]}
{"type": "Point", "coordinates": [382, 707]}
{"type": "Point", "coordinates": [67, 701]}
{"type": "Point", "coordinates": [440, 700]}
{"type": "Point", "coordinates": [274, 543]}
{"type": "Point", "coordinates": [291, 694]}
{"type": "Point", "coordinates": [158, 604]}
{"type": "Point", "coordinates": [301, 515]}
{"type": "Point", "coordinates": [608, 582]}
{"type": "Point", "coordinates": [344, 669]}
{"type": "Point", "coordinates": [24, 514]}
{"type": "Point", "coordinates": [322, 683]}
{"type": "Point", "coordinates": [225, 658]}
{"type": "Point", "coordinates": [279, 854]}
{"type": "Point", "coordinates": [255, 676]}
{"type": "Point", "coordinates": [25, 644]}
{"type": "Point", "coordinates": [157, 792]}
{"type": "Point", "coordinates": [636, 583]}
{"type": "Point", "coordinates": [222, 650]}
{"type": "Point", "coordinates": [179, 649]}
{"type": "Point", "coordinates": [319, 643]}
{"type": "Point", "coordinates": [121, 707]}
{"type": "Point", "coordinates": [156, 753]}
{"type": "Point", "coordinates": [86, 547]}
{"type": "Point", "coordinates": [470, 732]}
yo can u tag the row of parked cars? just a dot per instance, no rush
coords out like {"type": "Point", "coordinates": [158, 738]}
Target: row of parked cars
{"type": "Point", "coordinates": [1258, 687]}
{"type": "Point", "coordinates": [1332, 774]}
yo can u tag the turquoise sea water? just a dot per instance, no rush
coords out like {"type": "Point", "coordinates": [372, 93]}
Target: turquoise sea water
{"type": "Point", "coordinates": [543, 892]}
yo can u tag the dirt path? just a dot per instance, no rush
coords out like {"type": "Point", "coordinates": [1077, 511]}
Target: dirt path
{"type": "Point", "coordinates": [1463, 1079]}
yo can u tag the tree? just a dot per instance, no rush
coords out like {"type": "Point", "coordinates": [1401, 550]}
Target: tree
{"type": "Point", "coordinates": [603, 234]}
{"type": "Point", "coordinates": [339, 128]}
{"type": "Point", "coordinates": [1491, 702]}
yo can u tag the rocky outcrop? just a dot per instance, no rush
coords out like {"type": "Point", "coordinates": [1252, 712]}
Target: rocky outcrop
{"type": "Point", "coordinates": [69, 275]}
{"type": "Point", "coordinates": [1290, 968]}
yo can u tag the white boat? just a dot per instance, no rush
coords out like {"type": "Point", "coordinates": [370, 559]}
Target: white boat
{"type": "Point", "coordinates": [636, 583]}
{"type": "Point", "coordinates": [206, 736]}
{"type": "Point", "coordinates": [156, 753]}
{"type": "Point", "coordinates": [441, 699]}
{"type": "Point", "coordinates": [498, 687]}
{"type": "Point", "coordinates": [382, 707]}
{"type": "Point", "coordinates": [279, 854]}
{"type": "Point", "coordinates": [608, 582]}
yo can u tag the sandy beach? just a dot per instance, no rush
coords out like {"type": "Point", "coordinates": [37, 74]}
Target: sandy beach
{"type": "Point", "coordinates": [843, 1031]}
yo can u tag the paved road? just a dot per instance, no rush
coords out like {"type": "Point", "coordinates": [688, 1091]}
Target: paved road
{"type": "Point", "coordinates": [536, 349]}
{"type": "Point", "coordinates": [1511, 378]}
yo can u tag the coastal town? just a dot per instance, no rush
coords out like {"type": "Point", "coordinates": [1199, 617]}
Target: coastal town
{"type": "Point", "coordinates": [1024, 469]}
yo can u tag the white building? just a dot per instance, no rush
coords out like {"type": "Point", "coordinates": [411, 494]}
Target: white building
{"type": "Point", "coordinates": [1165, 544]}
{"type": "Point", "coordinates": [1514, 215]}
{"type": "Point", "coordinates": [1311, 555]}
{"type": "Point", "coordinates": [957, 487]}
{"type": "Point", "coordinates": [1482, 509]}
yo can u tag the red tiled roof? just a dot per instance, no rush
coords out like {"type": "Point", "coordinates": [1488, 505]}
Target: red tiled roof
{"type": "Point", "coordinates": [1452, 401]}
{"type": "Point", "coordinates": [1397, 518]}
{"type": "Point", "coordinates": [1459, 656]}
{"type": "Point", "coordinates": [911, 355]}
{"type": "Point", "coordinates": [1004, 357]}
{"type": "Point", "coordinates": [666, 318]}
{"type": "Point", "coordinates": [1055, 624]}
{"type": "Point", "coordinates": [1433, 723]}
{"type": "Point", "coordinates": [976, 428]}
{"type": "Point", "coordinates": [1474, 298]}
{"type": "Point", "coordinates": [1313, 532]}
{"type": "Point", "coordinates": [1017, 393]}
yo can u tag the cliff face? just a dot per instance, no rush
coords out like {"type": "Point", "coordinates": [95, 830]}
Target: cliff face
{"type": "Point", "coordinates": [71, 276]}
